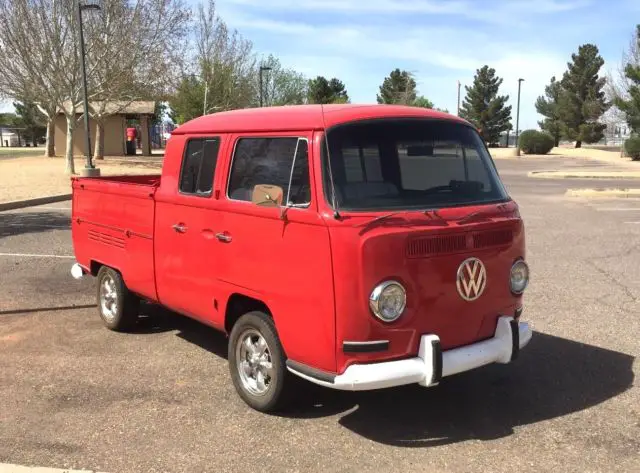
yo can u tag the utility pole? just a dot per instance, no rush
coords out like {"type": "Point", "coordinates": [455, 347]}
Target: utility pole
{"type": "Point", "coordinates": [206, 86]}
{"type": "Point", "coordinates": [262, 68]}
{"type": "Point", "coordinates": [206, 89]}
{"type": "Point", "coordinates": [518, 115]}
{"type": "Point", "coordinates": [89, 168]}
{"type": "Point", "coordinates": [459, 98]}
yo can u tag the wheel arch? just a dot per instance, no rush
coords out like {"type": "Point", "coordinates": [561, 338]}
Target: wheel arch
{"type": "Point", "coordinates": [239, 304]}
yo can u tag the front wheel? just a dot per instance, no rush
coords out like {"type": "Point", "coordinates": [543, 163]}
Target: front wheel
{"type": "Point", "coordinates": [257, 363]}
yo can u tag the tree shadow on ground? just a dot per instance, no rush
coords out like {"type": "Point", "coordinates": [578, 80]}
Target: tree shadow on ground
{"type": "Point", "coordinates": [13, 224]}
{"type": "Point", "coordinates": [553, 377]}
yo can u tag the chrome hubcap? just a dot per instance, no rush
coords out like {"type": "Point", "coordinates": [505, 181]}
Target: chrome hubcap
{"type": "Point", "coordinates": [108, 298]}
{"type": "Point", "coordinates": [253, 360]}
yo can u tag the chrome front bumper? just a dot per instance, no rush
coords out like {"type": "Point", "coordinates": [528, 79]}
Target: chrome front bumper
{"type": "Point", "coordinates": [431, 364]}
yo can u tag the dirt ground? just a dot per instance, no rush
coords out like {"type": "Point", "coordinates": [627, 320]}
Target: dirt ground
{"type": "Point", "coordinates": [30, 177]}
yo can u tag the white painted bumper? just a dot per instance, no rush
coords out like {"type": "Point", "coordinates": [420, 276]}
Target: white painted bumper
{"type": "Point", "coordinates": [431, 364]}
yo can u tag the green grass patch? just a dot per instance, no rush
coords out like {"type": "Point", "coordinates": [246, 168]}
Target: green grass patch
{"type": "Point", "coordinates": [18, 152]}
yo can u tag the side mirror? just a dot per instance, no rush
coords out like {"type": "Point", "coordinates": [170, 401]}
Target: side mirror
{"type": "Point", "coordinates": [267, 195]}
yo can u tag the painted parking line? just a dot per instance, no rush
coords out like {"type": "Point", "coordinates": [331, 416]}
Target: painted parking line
{"type": "Point", "coordinates": [10, 468]}
{"type": "Point", "coordinates": [617, 209]}
{"type": "Point", "coordinates": [34, 255]}
{"type": "Point", "coordinates": [633, 223]}
{"type": "Point", "coordinates": [68, 209]}
{"type": "Point", "coordinates": [36, 225]}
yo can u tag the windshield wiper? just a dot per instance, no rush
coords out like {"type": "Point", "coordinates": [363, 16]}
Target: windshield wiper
{"type": "Point", "coordinates": [428, 212]}
{"type": "Point", "coordinates": [433, 214]}
{"type": "Point", "coordinates": [499, 207]}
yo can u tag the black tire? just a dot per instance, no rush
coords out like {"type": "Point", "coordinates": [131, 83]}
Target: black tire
{"type": "Point", "coordinates": [127, 304]}
{"type": "Point", "coordinates": [278, 391]}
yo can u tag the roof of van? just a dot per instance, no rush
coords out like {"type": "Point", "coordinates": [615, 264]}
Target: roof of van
{"type": "Point", "coordinates": [301, 117]}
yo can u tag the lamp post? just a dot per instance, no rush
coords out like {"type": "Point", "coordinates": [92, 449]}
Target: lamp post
{"type": "Point", "coordinates": [459, 98]}
{"type": "Point", "coordinates": [518, 115]}
{"type": "Point", "coordinates": [89, 168]}
{"type": "Point", "coordinates": [262, 68]}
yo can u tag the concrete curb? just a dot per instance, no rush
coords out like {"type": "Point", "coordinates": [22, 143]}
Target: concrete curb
{"type": "Point", "coordinates": [622, 193]}
{"type": "Point", "coordinates": [19, 204]}
{"type": "Point", "coordinates": [584, 174]}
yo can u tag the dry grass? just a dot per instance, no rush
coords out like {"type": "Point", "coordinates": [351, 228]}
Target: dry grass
{"type": "Point", "coordinates": [29, 177]}
{"type": "Point", "coordinates": [7, 153]}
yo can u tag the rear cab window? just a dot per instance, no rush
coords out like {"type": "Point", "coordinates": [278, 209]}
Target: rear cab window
{"type": "Point", "coordinates": [408, 164]}
{"type": "Point", "coordinates": [198, 166]}
{"type": "Point", "coordinates": [271, 168]}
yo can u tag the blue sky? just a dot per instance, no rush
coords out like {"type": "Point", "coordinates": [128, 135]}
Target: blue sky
{"type": "Point", "coordinates": [440, 41]}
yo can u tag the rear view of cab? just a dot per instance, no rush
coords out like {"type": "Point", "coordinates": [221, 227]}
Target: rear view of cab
{"type": "Point", "coordinates": [428, 252]}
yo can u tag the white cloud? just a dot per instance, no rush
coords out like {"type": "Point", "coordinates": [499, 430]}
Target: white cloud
{"type": "Point", "coordinates": [494, 11]}
{"type": "Point", "coordinates": [361, 52]}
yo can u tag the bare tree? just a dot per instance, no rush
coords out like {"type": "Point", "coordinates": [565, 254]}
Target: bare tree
{"type": "Point", "coordinates": [618, 84]}
{"type": "Point", "coordinates": [131, 48]}
{"type": "Point", "coordinates": [225, 60]}
{"type": "Point", "coordinates": [135, 53]}
{"type": "Point", "coordinates": [32, 35]}
{"type": "Point", "coordinates": [282, 86]}
{"type": "Point", "coordinates": [40, 37]}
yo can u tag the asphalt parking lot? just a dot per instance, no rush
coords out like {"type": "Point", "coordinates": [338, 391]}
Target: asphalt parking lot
{"type": "Point", "coordinates": [75, 395]}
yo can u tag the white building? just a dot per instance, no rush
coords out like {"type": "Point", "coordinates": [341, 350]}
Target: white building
{"type": "Point", "coordinates": [9, 138]}
{"type": "Point", "coordinates": [617, 131]}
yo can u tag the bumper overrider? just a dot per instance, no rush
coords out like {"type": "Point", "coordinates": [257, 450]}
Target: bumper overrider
{"type": "Point", "coordinates": [431, 364]}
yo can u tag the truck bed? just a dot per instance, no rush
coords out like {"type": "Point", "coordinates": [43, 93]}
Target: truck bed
{"type": "Point", "coordinates": [112, 223]}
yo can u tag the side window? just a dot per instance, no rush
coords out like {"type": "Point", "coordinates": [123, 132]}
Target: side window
{"type": "Point", "coordinates": [300, 192]}
{"type": "Point", "coordinates": [199, 165]}
{"type": "Point", "coordinates": [269, 161]}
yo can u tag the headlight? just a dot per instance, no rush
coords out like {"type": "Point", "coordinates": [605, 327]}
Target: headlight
{"type": "Point", "coordinates": [519, 277]}
{"type": "Point", "coordinates": [388, 300]}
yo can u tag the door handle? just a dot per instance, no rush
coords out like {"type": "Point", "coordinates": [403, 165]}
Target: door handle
{"type": "Point", "coordinates": [224, 237]}
{"type": "Point", "coordinates": [179, 227]}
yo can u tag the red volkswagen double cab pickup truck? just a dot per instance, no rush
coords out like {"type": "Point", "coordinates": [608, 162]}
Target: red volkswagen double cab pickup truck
{"type": "Point", "coordinates": [355, 246]}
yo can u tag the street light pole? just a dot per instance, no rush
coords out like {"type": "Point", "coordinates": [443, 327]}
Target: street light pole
{"type": "Point", "coordinates": [458, 98]}
{"type": "Point", "coordinates": [518, 112]}
{"type": "Point", "coordinates": [89, 168]}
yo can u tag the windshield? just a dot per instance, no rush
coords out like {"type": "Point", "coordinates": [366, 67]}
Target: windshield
{"type": "Point", "coordinates": [408, 164]}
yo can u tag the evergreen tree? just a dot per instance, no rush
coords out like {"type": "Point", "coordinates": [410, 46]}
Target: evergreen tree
{"type": "Point", "coordinates": [188, 101]}
{"type": "Point", "coordinates": [398, 88]}
{"type": "Point", "coordinates": [325, 91]}
{"type": "Point", "coordinates": [29, 117]}
{"type": "Point", "coordinates": [483, 107]}
{"type": "Point", "coordinates": [582, 101]}
{"type": "Point", "coordinates": [547, 106]}
{"type": "Point", "coordinates": [422, 101]}
{"type": "Point", "coordinates": [630, 104]}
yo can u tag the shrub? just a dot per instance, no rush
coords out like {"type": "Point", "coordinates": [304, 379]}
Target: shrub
{"type": "Point", "coordinates": [535, 142]}
{"type": "Point", "coordinates": [632, 147]}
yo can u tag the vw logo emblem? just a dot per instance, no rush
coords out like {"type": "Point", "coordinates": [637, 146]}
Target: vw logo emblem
{"type": "Point", "coordinates": [471, 279]}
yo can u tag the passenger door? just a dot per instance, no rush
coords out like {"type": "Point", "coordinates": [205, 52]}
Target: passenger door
{"type": "Point", "coordinates": [186, 215]}
{"type": "Point", "coordinates": [277, 254]}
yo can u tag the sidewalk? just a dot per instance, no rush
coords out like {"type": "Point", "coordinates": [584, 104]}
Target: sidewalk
{"type": "Point", "coordinates": [589, 154]}
{"type": "Point", "coordinates": [31, 177]}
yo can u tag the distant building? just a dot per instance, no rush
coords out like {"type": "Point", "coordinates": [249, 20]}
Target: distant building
{"type": "Point", "coordinates": [115, 126]}
{"type": "Point", "coordinates": [9, 138]}
{"type": "Point", "coordinates": [617, 131]}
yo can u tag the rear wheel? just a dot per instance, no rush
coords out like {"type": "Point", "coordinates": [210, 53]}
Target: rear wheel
{"type": "Point", "coordinates": [257, 363]}
{"type": "Point", "coordinates": [118, 308]}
